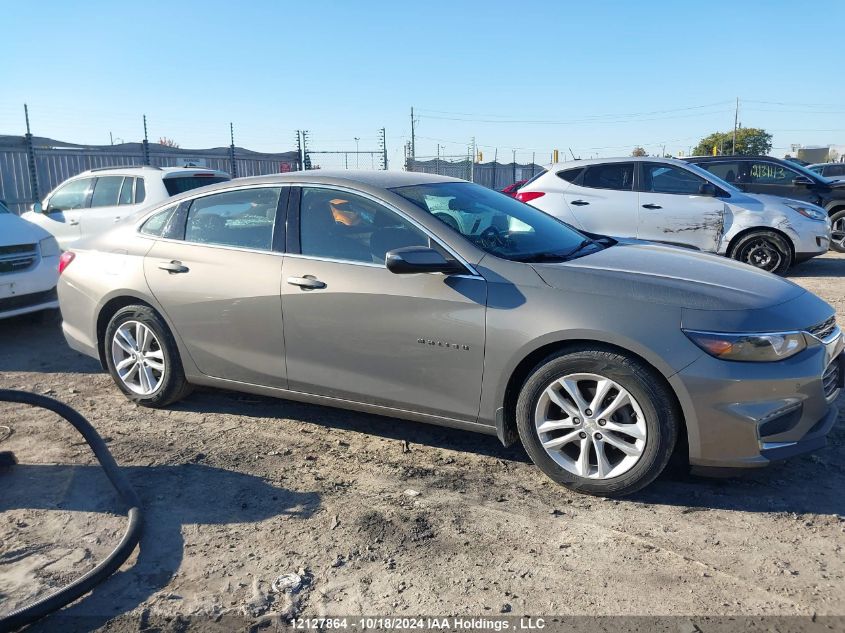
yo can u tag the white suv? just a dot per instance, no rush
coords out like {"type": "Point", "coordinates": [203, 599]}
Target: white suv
{"type": "Point", "coordinates": [93, 201]}
{"type": "Point", "coordinates": [670, 201]}
{"type": "Point", "coordinates": [29, 263]}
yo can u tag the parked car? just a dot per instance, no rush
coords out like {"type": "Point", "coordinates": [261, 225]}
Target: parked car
{"type": "Point", "coordinates": [511, 190]}
{"type": "Point", "coordinates": [29, 259]}
{"type": "Point", "coordinates": [93, 201]}
{"type": "Point", "coordinates": [667, 200]}
{"type": "Point", "coordinates": [772, 176]}
{"type": "Point", "coordinates": [834, 171]}
{"type": "Point", "coordinates": [797, 161]}
{"type": "Point", "coordinates": [345, 289]}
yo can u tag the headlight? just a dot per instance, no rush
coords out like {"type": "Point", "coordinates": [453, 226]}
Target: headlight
{"type": "Point", "coordinates": [50, 247]}
{"type": "Point", "coordinates": [759, 348]}
{"type": "Point", "coordinates": [809, 212]}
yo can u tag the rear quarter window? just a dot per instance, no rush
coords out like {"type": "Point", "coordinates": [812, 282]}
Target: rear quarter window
{"type": "Point", "coordinates": [181, 184]}
{"type": "Point", "coordinates": [570, 175]}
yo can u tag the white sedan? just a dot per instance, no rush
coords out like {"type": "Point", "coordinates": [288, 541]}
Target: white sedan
{"type": "Point", "coordinates": [29, 266]}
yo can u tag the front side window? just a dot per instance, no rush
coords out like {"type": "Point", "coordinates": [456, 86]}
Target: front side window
{"type": "Point", "coordinates": [106, 191]}
{"type": "Point", "coordinates": [764, 173]}
{"type": "Point", "coordinates": [618, 176]}
{"type": "Point", "coordinates": [334, 224]}
{"type": "Point", "coordinates": [73, 195]}
{"type": "Point", "coordinates": [835, 170]}
{"type": "Point", "coordinates": [662, 178]}
{"type": "Point", "coordinates": [242, 218]}
{"type": "Point", "coordinates": [497, 224]}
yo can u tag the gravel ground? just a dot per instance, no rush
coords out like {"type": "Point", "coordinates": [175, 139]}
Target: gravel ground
{"type": "Point", "coordinates": [381, 516]}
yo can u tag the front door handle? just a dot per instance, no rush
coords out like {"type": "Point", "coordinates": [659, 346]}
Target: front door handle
{"type": "Point", "coordinates": [73, 222]}
{"type": "Point", "coordinates": [306, 283]}
{"type": "Point", "coordinates": [117, 218]}
{"type": "Point", "coordinates": [579, 203]}
{"type": "Point", "coordinates": [173, 267]}
{"type": "Point", "coordinates": [652, 206]}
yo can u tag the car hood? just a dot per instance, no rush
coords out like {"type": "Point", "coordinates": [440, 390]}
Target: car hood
{"type": "Point", "coordinates": [671, 276]}
{"type": "Point", "coordinates": [15, 230]}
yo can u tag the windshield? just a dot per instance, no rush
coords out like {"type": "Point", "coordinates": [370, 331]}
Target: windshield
{"type": "Point", "coordinates": [500, 225]}
{"type": "Point", "coordinates": [809, 172]}
{"type": "Point", "coordinates": [724, 184]}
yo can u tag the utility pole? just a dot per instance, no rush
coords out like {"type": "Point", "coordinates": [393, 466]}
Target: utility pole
{"type": "Point", "coordinates": [232, 150]}
{"type": "Point", "coordinates": [514, 167]}
{"type": "Point", "coordinates": [413, 140]}
{"type": "Point", "coordinates": [146, 143]}
{"type": "Point", "coordinates": [736, 121]}
{"type": "Point", "coordinates": [111, 138]}
{"type": "Point", "coordinates": [437, 163]}
{"type": "Point", "coordinates": [533, 161]}
{"type": "Point", "coordinates": [472, 162]}
{"type": "Point", "coordinates": [495, 166]}
{"type": "Point", "coordinates": [357, 164]}
{"type": "Point", "coordinates": [30, 157]}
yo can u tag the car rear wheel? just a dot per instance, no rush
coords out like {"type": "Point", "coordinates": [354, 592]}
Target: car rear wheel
{"type": "Point", "coordinates": [837, 231]}
{"type": "Point", "coordinates": [143, 359]}
{"type": "Point", "coordinates": [766, 250]}
{"type": "Point", "coordinates": [597, 421]}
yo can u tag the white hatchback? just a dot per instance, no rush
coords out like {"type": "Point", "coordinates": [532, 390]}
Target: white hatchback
{"type": "Point", "coordinates": [673, 202]}
{"type": "Point", "coordinates": [29, 267]}
{"type": "Point", "coordinates": [93, 201]}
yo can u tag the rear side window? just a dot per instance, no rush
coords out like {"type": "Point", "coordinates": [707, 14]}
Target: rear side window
{"type": "Point", "coordinates": [835, 170]}
{"type": "Point", "coordinates": [243, 218]}
{"type": "Point", "coordinates": [140, 190]}
{"type": "Point", "coordinates": [570, 175]}
{"type": "Point", "coordinates": [617, 176]}
{"type": "Point", "coordinates": [106, 191]}
{"type": "Point", "coordinates": [126, 191]}
{"type": "Point", "coordinates": [181, 184]}
{"type": "Point", "coordinates": [726, 171]}
{"type": "Point", "coordinates": [158, 221]}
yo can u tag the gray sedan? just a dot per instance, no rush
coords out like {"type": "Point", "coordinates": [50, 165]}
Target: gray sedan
{"type": "Point", "coordinates": [437, 300]}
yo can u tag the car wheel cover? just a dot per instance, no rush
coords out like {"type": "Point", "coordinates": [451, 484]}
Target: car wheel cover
{"type": "Point", "coordinates": [761, 253]}
{"type": "Point", "coordinates": [138, 358]}
{"type": "Point", "coordinates": [590, 426]}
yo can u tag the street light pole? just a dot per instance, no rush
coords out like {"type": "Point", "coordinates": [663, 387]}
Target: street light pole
{"type": "Point", "coordinates": [356, 151]}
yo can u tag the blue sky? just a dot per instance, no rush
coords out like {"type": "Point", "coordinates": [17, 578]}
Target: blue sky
{"type": "Point", "coordinates": [597, 77]}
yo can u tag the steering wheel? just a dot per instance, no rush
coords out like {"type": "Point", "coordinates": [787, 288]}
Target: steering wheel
{"type": "Point", "coordinates": [491, 237]}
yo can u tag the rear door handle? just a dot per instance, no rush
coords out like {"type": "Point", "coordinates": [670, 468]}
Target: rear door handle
{"type": "Point", "coordinates": [117, 218]}
{"type": "Point", "coordinates": [652, 206]}
{"type": "Point", "coordinates": [173, 267]}
{"type": "Point", "coordinates": [579, 203]}
{"type": "Point", "coordinates": [306, 283]}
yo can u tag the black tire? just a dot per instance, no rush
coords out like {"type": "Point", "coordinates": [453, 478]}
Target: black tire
{"type": "Point", "coordinates": [662, 419]}
{"type": "Point", "coordinates": [765, 250]}
{"type": "Point", "coordinates": [837, 233]}
{"type": "Point", "coordinates": [173, 386]}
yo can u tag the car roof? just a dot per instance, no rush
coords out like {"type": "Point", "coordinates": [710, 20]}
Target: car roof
{"type": "Point", "coordinates": [623, 159]}
{"type": "Point", "coordinates": [822, 164]}
{"type": "Point", "coordinates": [735, 157]}
{"type": "Point", "coordinates": [136, 170]}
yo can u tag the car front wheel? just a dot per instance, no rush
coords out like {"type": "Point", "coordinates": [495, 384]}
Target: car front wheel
{"type": "Point", "coordinates": [837, 231]}
{"type": "Point", "coordinates": [143, 359]}
{"type": "Point", "coordinates": [766, 250]}
{"type": "Point", "coordinates": [597, 421]}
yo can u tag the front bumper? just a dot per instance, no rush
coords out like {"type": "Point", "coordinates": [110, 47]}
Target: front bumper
{"type": "Point", "coordinates": [746, 415]}
{"type": "Point", "coordinates": [30, 290]}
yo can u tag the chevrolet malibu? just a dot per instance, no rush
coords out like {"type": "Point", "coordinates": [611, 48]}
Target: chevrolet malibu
{"type": "Point", "coordinates": [361, 291]}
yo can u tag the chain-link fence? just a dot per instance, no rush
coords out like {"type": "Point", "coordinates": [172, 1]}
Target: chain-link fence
{"type": "Point", "coordinates": [494, 175]}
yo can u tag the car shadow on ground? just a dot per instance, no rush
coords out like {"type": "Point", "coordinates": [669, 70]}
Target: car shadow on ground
{"type": "Point", "coordinates": [42, 331]}
{"type": "Point", "coordinates": [218, 401]}
{"type": "Point", "coordinates": [205, 496]}
{"type": "Point", "coordinates": [819, 267]}
{"type": "Point", "coordinates": [805, 484]}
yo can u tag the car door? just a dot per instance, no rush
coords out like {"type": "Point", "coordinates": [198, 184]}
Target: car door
{"type": "Point", "coordinates": [63, 210]}
{"type": "Point", "coordinates": [672, 210]}
{"type": "Point", "coordinates": [108, 204]}
{"type": "Point", "coordinates": [602, 199]}
{"type": "Point", "coordinates": [216, 271]}
{"type": "Point", "coordinates": [356, 331]}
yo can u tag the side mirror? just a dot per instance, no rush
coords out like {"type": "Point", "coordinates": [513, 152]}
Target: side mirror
{"type": "Point", "coordinates": [38, 208]}
{"type": "Point", "coordinates": [419, 259]}
{"type": "Point", "coordinates": [802, 181]}
{"type": "Point", "coordinates": [708, 189]}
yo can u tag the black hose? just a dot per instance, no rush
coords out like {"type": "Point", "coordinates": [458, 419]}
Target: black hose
{"type": "Point", "coordinates": [67, 594]}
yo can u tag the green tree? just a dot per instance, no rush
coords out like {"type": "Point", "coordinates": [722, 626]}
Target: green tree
{"type": "Point", "coordinates": [749, 141]}
{"type": "Point", "coordinates": [638, 151]}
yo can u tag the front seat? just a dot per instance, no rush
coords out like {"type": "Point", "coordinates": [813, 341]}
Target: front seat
{"type": "Point", "coordinates": [321, 236]}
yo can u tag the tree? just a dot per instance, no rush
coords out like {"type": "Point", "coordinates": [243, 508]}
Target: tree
{"type": "Point", "coordinates": [167, 142]}
{"type": "Point", "coordinates": [749, 141]}
{"type": "Point", "coordinates": [638, 151]}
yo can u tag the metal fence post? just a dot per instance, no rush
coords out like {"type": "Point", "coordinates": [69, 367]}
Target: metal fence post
{"type": "Point", "coordinates": [232, 150]}
{"type": "Point", "coordinates": [146, 143]}
{"type": "Point", "coordinates": [30, 158]}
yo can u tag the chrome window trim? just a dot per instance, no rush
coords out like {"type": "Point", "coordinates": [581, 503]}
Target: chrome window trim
{"type": "Point", "coordinates": [204, 245]}
{"type": "Point", "coordinates": [332, 260]}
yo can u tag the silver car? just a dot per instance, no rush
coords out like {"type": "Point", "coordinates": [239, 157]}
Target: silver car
{"type": "Point", "coordinates": [361, 291]}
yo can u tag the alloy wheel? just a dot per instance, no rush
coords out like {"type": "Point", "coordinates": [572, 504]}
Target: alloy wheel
{"type": "Point", "coordinates": [138, 358]}
{"type": "Point", "coordinates": [590, 425]}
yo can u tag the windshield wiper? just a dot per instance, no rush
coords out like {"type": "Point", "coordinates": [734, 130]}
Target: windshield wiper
{"type": "Point", "coordinates": [555, 257]}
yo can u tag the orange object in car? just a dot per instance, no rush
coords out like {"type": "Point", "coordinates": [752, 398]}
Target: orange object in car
{"type": "Point", "coordinates": [343, 213]}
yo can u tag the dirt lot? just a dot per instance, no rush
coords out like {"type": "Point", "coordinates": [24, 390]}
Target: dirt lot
{"type": "Point", "coordinates": [381, 516]}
